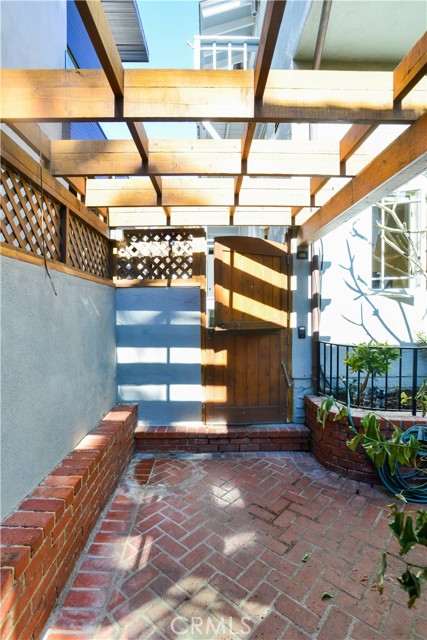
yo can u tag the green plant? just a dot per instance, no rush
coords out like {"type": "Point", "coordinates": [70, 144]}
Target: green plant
{"type": "Point", "coordinates": [420, 397]}
{"type": "Point", "coordinates": [376, 446]}
{"type": "Point", "coordinates": [421, 338]}
{"type": "Point", "coordinates": [371, 358]}
{"type": "Point", "coordinates": [409, 529]}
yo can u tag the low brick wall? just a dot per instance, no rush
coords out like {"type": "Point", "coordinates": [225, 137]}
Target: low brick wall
{"type": "Point", "coordinates": [212, 438]}
{"type": "Point", "coordinates": [43, 538]}
{"type": "Point", "coordinates": [328, 445]}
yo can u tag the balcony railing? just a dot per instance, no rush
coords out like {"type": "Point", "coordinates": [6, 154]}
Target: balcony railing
{"type": "Point", "coordinates": [225, 52]}
{"type": "Point", "coordinates": [406, 374]}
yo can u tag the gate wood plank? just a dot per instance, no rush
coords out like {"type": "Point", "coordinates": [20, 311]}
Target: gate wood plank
{"type": "Point", "coordinates": [252, 369]}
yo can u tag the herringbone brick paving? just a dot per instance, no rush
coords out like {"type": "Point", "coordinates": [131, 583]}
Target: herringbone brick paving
{"type": "Point", "coordinates": [237, 546]}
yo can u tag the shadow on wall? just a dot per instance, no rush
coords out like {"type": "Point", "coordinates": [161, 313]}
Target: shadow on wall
{"type": "Point", "coordinates": [361, 290]}
{"type": "Point", "coordinates": [159, 353]}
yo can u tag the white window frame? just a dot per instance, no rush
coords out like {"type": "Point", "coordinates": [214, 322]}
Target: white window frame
{"type": "Point", "coordinates": [383, 282]}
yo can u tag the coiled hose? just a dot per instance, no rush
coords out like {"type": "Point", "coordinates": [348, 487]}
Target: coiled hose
{"type": "Point", "coordinates": [408, 480]}
{"type": "Point", "coordinates": [405, 480]}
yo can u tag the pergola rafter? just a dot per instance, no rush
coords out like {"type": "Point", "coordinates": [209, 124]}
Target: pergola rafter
{"type": "Point", "coordinates": [242, 181]}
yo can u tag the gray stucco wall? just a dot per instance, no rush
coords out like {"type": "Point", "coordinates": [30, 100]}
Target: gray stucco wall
{"type": "Point", "coordinates": [57, 370]}
{"type": "Point", "coordinates": [159, 353]}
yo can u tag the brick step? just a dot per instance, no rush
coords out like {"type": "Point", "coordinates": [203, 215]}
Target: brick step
{"type": "Point", "coordinates": [223, 438]}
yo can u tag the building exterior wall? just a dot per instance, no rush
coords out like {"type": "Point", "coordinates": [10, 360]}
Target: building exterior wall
{"type": "Point", "coordinates": [301, 343]}
{"type": "Point", "coordinates": [159, 353]}
{"type": "Point", "coordinates": [34, 36]}
{"type": "Point", "coordinates": [351, 310]}
{"type": "Point", "coordinates": [80, 46]}
{"type": "Point", "coordinates": [58, 370]}
{"type": "Point", "coordinates": [301, 359]}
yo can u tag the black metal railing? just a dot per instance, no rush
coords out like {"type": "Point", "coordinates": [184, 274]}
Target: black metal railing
{"type": "Point", "coordinates": [406, 375]}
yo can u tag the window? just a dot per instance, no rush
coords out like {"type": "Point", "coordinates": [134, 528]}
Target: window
{"type": "Point", "coordinates": [397, 237]}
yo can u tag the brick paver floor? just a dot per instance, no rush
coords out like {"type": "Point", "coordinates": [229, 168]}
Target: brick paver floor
{"type": "Point", "coordinates": [237, 546]}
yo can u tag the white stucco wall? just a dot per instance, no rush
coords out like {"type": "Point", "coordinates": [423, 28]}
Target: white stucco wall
{"type": "Point", "coordinates": [351, 310]}
{"type": "Point", "coordinates": [57, 370]}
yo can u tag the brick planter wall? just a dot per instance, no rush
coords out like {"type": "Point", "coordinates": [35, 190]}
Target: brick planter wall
{"type": "Point", "coordinates": [43, 538]}
{"type": "Point", "coordinates": [329, 447]}
{"type": "Point", "coordinates": [213, 438]}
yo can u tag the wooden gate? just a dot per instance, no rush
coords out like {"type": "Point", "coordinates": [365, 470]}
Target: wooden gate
{"type": "Point", "coordinates": [246, 352]}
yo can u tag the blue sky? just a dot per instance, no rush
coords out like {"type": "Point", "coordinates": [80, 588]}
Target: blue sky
{"type": "Point", "coordinates": [168, 25]}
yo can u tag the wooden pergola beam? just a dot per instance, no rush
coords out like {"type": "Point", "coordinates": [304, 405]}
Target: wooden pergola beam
{"type": "Point", "coordinates": [196, 157]}
{"type": "Point", "coordinates": [188, 95]}
{"type": "Point", "coordinates": [95, 158]}
{"type": "Point", "coordinates": [56, 95]}
{"type": "Point", "coordinates": [182, 192]}
{"type": "Point", "coordinates": [140, 138]}
{"type": "Point", "coordinates": [99, 32]}
{"type": "Point", "coordinates": [267, 44]}
{"type": "Point", "coordinates": [410, 70]}
{"type": "Point", "coordinates": [34, 137]}
{"type": "Point", "coordinates": [141, 141]}
{"type": "Point", "coordinates": [247, 138]}
{"type": "Point", "coordinates": [120, 193]}
{"type": "Point", "coordinates": [81, 95]}
{"type": "Point", "coordinates": [77, 183]}
{"type": "Point", "coordinates": [113, 193]}
{"type": "Point", "coordinates": [165, 187]}
{"type": "Point", "coordinates": [40, 143]}
{"type": "Point", "coordinates": [293, 157]}
{"type": "Point", "coordinates": [354, 138]}
{"type": "Point", "coordinates": [96, 23]}
{"type": "Point", "coordinates": [329, 96]}
{"type": "Point", "coordinates": [402, 160]}
{"type": "Point", "coordinates": [270, 30]}
{"type": "Point", "coordinates": [219, 216]}
{"type": "Point", "coordinates": [194, 191]}
{"type": "Point", "coordinates": [317, 183]}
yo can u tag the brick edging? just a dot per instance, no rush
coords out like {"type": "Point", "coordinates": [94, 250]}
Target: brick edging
{"type": "Point", "coordinates": [43, 537]}
{"type": "Point", "coordinates": [221, 438]}
{"type": "Point", "coordinates": [328, 445]}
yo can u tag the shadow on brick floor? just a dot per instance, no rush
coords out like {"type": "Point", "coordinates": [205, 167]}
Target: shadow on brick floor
{"type": "Point", "coordinates": [237, 546]}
